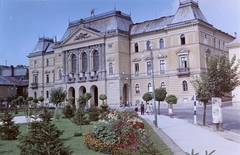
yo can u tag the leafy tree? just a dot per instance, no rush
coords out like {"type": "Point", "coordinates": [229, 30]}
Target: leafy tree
{"type": "Point", "coordinates": [71, 100]}
{"type": "Point", "coordinates": [20, 100]}
{"type": "Point", "coordinates": [147, 97]}
{"type": "Point", "coordinates": [171, 99]}
{"type": "Point", "coordinates": [41, 99]}
{"type": "Point", "coordinates": [8, 130]}
{"type": "Point", "coordinates": [222, 75]}
{"type": "Point", "coordinates": [57, 95]}
{"type": "Point", "coordinates": [103, 97]}
{"type": "Point", "coordinates": [87, 97]}
{"type": "Point", "coordinates": [160, 95]}
{"type": "Point", "coordinates": [68, 111]}
{"type": "Point", "coordinates": [203, 95]}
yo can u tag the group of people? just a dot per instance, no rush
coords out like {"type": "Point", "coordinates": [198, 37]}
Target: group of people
{"type": "Point", "coordinates": [149, 108]}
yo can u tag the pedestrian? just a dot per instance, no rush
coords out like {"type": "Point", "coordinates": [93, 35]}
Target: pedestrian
{"type": "Point", "coordinates": [151, 108]}
{"type": "Point", "coordinates": [136, 107]}
{"type": "Point", "coordinates": [148, 108]}
{"type": "Point", "coordinates": [142, 108]}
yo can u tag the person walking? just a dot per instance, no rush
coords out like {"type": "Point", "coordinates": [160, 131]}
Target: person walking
{"type": "Point", "coordinates": [151, 108]}
{"type": "Point", "coordinates": [142, 108]}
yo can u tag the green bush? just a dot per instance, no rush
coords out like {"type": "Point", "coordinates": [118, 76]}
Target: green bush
{"type": "Point", "coordinates": [93, 113]}
{"type": "Point", "coordinates": [80, 118]}
{"type": "Point", "coordinates": [68, 111]}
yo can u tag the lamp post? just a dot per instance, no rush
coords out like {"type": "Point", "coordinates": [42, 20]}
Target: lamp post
{"type": "Point", "coordinates": [153, 86]}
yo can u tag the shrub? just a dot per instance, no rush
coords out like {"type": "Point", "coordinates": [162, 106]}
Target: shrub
{"type": "Point", "coordinates": [93, 113]}
{"type": "Point", "coordinates": [68, 111]}
{"type": "Point", "coordinates": [119, 132]}
{"type": "Point", "coordinates": [81, 117]}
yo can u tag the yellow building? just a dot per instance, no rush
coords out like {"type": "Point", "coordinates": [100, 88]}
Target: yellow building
{"type": "Point", "coordinates": [102, 54]}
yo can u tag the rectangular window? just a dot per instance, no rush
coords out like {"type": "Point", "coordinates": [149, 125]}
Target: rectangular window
{"type": "Point", "coordinates": [149, 68]}
{"type": "Point", "coordinates": [35, 79]}
{"type": "Point", "coordinates": [183, 62]}
{"type": "Point", "coordinates": [137, 69]}
{"type": "Point", "coordinates": [35, 64]}
{"type": "Point", "coordinates": [47, 78]}
{"type": "Point", "coordinates": [162, 65]}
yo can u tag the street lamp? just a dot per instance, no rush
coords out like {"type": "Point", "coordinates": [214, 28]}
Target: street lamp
{"type": "Point", "coordinates": [153, 86]}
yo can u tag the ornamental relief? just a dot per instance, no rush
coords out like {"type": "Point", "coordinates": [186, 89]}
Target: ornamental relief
{"type": "Point", "coordinates": [136, 60]}
{"type": "Point", "coordinates": [82, 36]}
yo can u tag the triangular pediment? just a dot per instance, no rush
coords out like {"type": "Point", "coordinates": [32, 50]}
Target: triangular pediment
{"type": "Point", "coordinates": [81, 34]}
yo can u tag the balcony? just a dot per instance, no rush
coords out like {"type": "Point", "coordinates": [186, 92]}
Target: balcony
{"type": "Point", "coordinates": [93, 78]}
{"type": "Point", "coordinates": [71, 80]}
{"type": "Point", "coordinates": [82, 79]}
{"type": "Point", "coordinates": [183, 71]}
{"type": "Point", "coordinates": [34, 85]}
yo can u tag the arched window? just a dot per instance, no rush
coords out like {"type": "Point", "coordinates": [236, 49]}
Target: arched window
{"type": "Point", "coordinates": [73, 63]}
{"type": "Point", "coordinates": [95, 60]}
{"type": "Point", "coordinates": [47, 94]}
{"type": "Point", "coordinates": [136, 47]}
{"type": "Point", "coordinates": [148, 46]}
{"type": "Point", "coordinates": [185, 85]}
{"type": "Point", "coordinates": [182, 38]}
{"type": "Point", "coordinates": [161, 43]}
{"type": "Point", "coordinates": [110, 68]}
{"type": "Point", "coordinates": [150, 88]}
{"type": "Point", "coordinates": [84, 62]}
{"type": "Point", "coordinates": [137, 89]}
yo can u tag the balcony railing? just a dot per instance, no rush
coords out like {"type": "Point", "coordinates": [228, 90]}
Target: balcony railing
{"type": "Point", "coordinates": [34, 85]}
{"type": "Point", "coordinates": [183, 71]}
{"type": "Point", "coordinates": [82, 79]}
{"type": "Point", "coordinates": [93, 78]}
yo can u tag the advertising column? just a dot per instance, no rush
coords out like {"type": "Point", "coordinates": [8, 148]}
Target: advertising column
{"type": "Point", "coordinates": [217, 111]}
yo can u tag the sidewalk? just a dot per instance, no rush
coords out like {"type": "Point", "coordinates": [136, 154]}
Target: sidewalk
{"type": "Point", "coordinates": [186, 136]}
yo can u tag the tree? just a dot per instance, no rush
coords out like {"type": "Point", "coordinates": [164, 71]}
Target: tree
{"type": "Point", "coordinates": [57, 95]}
{"type": "Point", "coordinates": [102, 97]}
{"type": "Point", "coordinates": [147, 97]}
{"type": "Point", "coordinates": [71, 100]}
{"type": "Point", "coordinates": [87, 96]}
{"type": "Point", "coordinates": [8, 130]}
{"type": "Point", "coordinates": [41, 99]}
{"type": "Point", "coordinates": [20, 100]}
{"type": "Point", "coordinates": [201, 86]}
{"type": "Point", "coordinates": [43, 138]}
{"type": "Point", "coordinates": [222, 75]}
{"type": "Point", "coordinates": [1, 101]}
{"type": "Point", "coordinates": [171, 99]}
{"type": "Point", "coordinates": [160, 95]}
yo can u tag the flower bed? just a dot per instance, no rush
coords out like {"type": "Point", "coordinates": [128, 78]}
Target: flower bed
{"type": "Point", "coordinates": [117, 132]}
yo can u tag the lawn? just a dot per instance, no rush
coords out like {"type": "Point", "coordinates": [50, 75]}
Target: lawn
{"type": "Point", "coordinates": [76, 143]}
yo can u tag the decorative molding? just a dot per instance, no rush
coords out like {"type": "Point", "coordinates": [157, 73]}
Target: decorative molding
{"type": "Point", "coordinates": [148, 58]}
{"type": "Point", "coordinates": [47, 72]}
{"type": "Point", "coordinates": [110, 59]}
{"type": "Point", "coordinates": [136, 60]}
{"type": "Point", "coordinates": [160, 56]}
{"type": "Point", "coordinates": [82, 36]}
{"type": "Point", "coordinates": [35, 72]}
{"type": "Point", "coordinates": [182, 51]}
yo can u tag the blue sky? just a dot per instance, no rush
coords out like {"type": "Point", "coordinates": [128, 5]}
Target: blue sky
{"type": "Point", "coordinates": [23, 21]}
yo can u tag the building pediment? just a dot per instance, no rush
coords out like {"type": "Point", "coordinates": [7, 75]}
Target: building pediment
{"type": "Point", "coordinates": [136, 60]}
{"type": "Point", "coordinates": [80, 35]}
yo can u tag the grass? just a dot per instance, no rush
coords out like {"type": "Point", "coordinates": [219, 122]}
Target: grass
{"type": "Point", "coordinates": [76, 143]}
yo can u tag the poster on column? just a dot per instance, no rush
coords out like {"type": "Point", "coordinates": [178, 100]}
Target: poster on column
{"type": "Point", "coordinates": [217, 110]}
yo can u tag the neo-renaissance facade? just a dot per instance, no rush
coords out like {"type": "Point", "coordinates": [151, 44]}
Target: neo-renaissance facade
{"type": "Point", "coordinates": [109, 54]}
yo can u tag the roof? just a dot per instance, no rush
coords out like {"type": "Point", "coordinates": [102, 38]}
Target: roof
{"type": "Point", "coordinates": [151, 25]}
{"type": "Point", "coordinates": [18, 80]}
{"type": "Point", "coordinates": [188, 10]}
{"type": "Point", "coordinates": [44, 45]}
{"type": "Point", "coordinates": [102, 23]}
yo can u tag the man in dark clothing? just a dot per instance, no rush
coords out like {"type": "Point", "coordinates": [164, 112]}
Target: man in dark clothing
{"type": "Point", "coordinates": [142, 108]}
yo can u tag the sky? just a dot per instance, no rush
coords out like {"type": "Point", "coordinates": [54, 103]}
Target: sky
{"type": "Point", "coordinates": [22, 22]}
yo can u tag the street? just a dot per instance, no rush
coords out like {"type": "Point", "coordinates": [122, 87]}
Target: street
{"type": "Point", "coordinates": [231, 116]}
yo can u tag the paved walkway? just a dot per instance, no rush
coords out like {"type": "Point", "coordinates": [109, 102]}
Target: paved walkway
{"type": "Point", "coordinates": [185, 136]}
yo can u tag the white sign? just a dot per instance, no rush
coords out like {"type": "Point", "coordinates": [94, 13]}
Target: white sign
{"type": "Point", "coordinates": [217, 110]}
